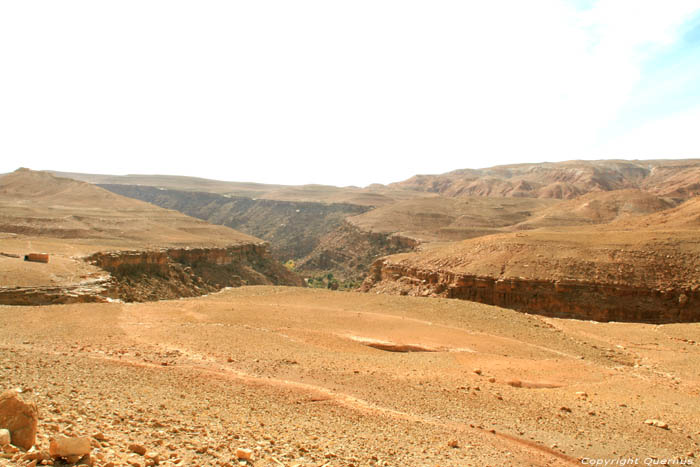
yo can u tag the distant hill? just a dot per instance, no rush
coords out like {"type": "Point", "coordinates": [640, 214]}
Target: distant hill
{"type": "Point", "coordinates": [677, 179]}
{"type": "Point", "coordinates": [41, 204]}
{"type": "Point", "coordinates": [597, 208]}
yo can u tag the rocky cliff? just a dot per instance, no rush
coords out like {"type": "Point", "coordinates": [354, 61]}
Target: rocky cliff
{"type": "Point", "coordinates": [293, 229]}
{"type": "Point", "coordinates": [186, 272]}
{"type": "Point", "coordinates": [348, 251]}
{"type": "Point", "coordinates": [577, 299]}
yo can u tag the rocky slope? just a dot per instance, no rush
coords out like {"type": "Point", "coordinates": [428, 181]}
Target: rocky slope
{"type": "Point", "coordinates": [315, 236]}
{"type": "Point", "coordinates": [677, 179]}
{"type": "Point", "coordinates": [347, 252]}
{"type": "Point", "coordinates": [448, 219]}
{"type": "Point", "coordinates": [167, 253]}
{"type": "Point", "coordinates": [639, 269]}
{"type": "Point", "coordinates": [293, 229]}
{"type": "Point", "coordinates": [596, 208]}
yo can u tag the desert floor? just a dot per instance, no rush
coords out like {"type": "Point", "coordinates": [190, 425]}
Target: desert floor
{"type": "Point", "coordinates": [315, 377]}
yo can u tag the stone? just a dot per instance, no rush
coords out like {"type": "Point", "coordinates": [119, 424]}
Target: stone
{"type": "Point", "coordinates": [656, 423]}
{"type": "Point", "coordinates": [5, 438]}
{"type": "Point", "coordinates": [69, 448]}
{"type": "Point", "coordinates": [37, 456]}
{"type": "Point", "coordinates": [153, 456]}
{"type": "Point", "coordinates": [20, 418]}
{"type": "Point", "coordinates": [244, 454]}
{"type": "Point", "coordinates": [453, 443]}
{"type": "Point", "coordinates": [477, 371]}
{"type": "Point", "coordinates": [138, 449]}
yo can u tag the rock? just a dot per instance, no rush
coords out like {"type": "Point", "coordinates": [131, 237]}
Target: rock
{"type": "Point", "coordinates": [19, 418]}
{"type": "Point", "coordinates": [244, 454]}
{"type": "Point", "coordinates": [63, 446]}
{"type": "Point", "coordinates": [5, 438]}
{"type": "Point", "coordinates": [492, 380]}
{"type": "Point", "coordinates": [656, 423]}
{"type": "Point", "coordinates": [138, 449]}
{"type": "Point", "coordinates": [581, 394]}
{"type": "Point", "coordinates": [153, 456]}
{"type": "Point", "coordinates": [37, 456]}
{"type": "Point", "coordinates": [453, 443]}
{"type": "Point", "coordinates": [477, 371]}
{"type": "Point", "coordinates": [682, 299]}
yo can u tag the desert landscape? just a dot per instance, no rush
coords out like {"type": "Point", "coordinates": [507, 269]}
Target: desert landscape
{"type": "Point", "coordinates": [529, 315]}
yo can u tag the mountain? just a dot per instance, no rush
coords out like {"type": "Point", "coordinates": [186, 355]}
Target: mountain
{"type": "Point", "coordinates": [676, 179]}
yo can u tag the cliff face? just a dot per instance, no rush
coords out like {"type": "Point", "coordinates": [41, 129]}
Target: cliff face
{"type": "Point", "coordinates": [561, 298]}
{"type": "Point", "coordinates": [316, 236]}
{"type": "Point", "coordinates": [349, 251]}
{"type": "Point", "coordinates": [187, 272]}
{"type": "Point", "coordinates": [137, 276]}
{"type": "Point", "coordinates": [293, 229]}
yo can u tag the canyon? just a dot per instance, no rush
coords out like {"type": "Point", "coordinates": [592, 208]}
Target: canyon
{"type": "Point", "coordinates": [489, 328]}
{"type": "Point", "coordinates": [107, 247]}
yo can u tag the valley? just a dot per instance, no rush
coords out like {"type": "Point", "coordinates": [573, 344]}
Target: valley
{"type": "Point", "coordinates": [181, 321]}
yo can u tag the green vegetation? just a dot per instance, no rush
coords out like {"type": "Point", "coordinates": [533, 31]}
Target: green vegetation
{"type": "Point", "coordinates": [328, 281]}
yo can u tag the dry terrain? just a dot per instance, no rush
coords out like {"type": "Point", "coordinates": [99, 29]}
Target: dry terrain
{"type": "Point", "coordinates": [342, 230]}
{"type": "Point", "coordinates": [676, 179]}
{"type": "Point", "coordinates": [637, 268]}
{"type": "Point", "coordinates": [309, 377]}
{"type": "Point", "coordinates": [82, 226]}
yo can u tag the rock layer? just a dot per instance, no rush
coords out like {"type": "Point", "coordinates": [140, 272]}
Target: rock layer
{"type": "Point", "coordinates": [557, 298]}
{"type": "Point", "coordinates": [188, 272]}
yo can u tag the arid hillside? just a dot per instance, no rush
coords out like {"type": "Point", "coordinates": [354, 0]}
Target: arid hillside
{"type": "Point", "coordinates": [90, 233]}
{"type": "Point", "coordinates": [292, 228]}
{"type": "Point", "coordinates": [321, 235]}
{"type": "Point", "coordinates": [309, 377]}
{"type": "Point", "coordinates": [447, 219]}
{"type": "Point", "coordinates": [596, 208]}
{"type": "Point", "coordinates": [676, 179]}
{"type": "Point", "coordinates": [638, 269]}
{"type": "Point", "coordinates": [374, 195]}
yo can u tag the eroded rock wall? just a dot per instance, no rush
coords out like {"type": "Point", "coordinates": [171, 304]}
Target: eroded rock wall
{"type": "Point", "coordinates": [186, 272]}
{"type": "Point", "coordinates": [136, 276]}
{"type": "Point", "coordinates": [561, 299]}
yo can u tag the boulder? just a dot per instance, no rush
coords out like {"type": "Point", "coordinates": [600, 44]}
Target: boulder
{"type": "Point", "coordinates": [20, 418]}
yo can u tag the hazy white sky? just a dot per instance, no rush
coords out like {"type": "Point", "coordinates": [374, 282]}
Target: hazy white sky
{"type": "Point", "coordinates": [343, 92]}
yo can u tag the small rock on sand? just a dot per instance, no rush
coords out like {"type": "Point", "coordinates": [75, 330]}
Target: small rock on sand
{"type": "Point", "coordinates": [244, 454]}
{"type": "Point", "coordinates": [656, 423]}
{"type": "Point", "coordinates": [63, 446]}
{"type": "Point", "coordinates": [138, 449]}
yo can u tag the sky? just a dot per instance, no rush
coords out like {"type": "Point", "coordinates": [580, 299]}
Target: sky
{"type": "Point", "coordinates": [344, 92]}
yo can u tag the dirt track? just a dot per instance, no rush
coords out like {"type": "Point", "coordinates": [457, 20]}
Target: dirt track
{"type": "Point", "coordinates": [291, 374]}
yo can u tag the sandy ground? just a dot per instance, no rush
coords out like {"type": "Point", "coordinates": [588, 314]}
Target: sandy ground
{"type": "Point", "coordinates": [304, 376]}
